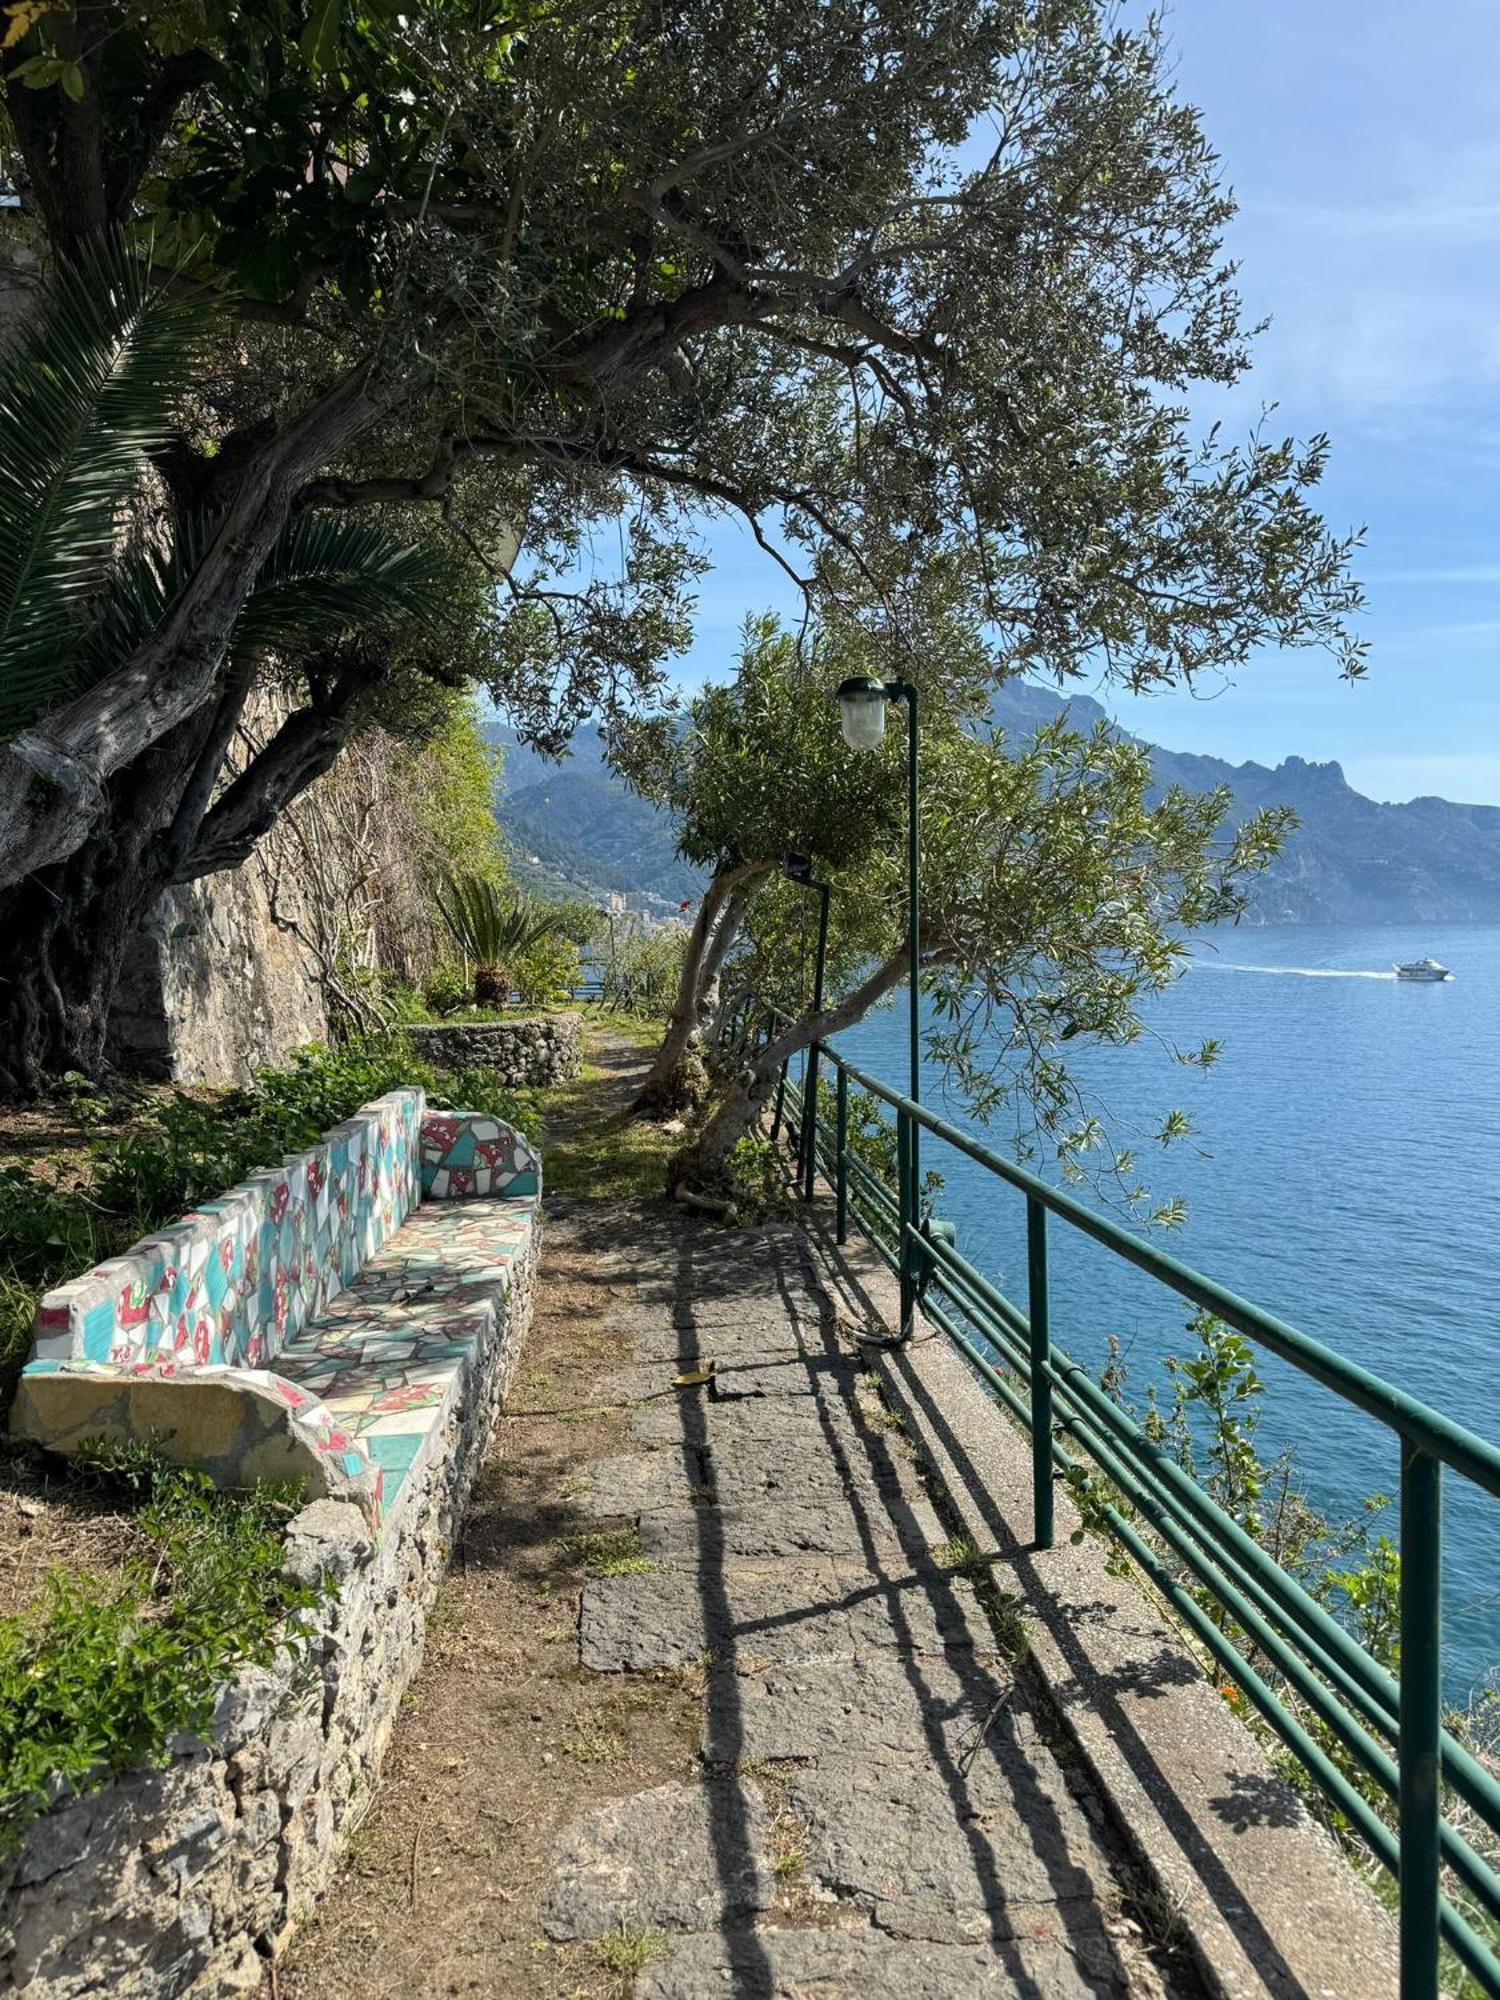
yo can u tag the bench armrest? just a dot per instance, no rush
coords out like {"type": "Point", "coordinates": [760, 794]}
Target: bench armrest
{"type": "Point", "coordinates": [466, 1153]}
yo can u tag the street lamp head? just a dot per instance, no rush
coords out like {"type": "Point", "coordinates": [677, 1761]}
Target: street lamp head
{"type": "Point", "coordinates": [861, 702]}
{"type": "Point", "coordinates": [796, 867]}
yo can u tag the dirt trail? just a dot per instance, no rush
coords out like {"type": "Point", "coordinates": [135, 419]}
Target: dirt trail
{"type": "Point", "coordinates": [504, 1738]}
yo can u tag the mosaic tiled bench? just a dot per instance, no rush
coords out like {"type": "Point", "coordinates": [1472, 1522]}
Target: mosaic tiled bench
{"type": "Point", "coordinates": [320, 1323]}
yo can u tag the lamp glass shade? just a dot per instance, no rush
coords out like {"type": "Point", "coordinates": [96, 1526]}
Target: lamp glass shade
{"type": "Point", "coordinates": [862, 714]}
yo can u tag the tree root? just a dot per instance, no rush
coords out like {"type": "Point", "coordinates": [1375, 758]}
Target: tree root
{"type": "Point", "coordinates": [707, 1204]}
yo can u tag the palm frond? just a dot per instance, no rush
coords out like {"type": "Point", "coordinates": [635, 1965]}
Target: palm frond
{"type": "Point", "coordinates": [324, 578]}
{"type": "Point", "coordinates": [85, 393]}
{"type": "Point", "coordinates": [328, 576]}
{"type": "Point", "coordinates": [488, 923]}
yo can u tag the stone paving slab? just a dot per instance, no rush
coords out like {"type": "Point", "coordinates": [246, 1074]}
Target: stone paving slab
{"type": "Point", "coordinates": [954, 1857]}
{"type": "Point", "coordinates": [678, 1857]}
{"type": "Point", "coordinates": [679, 1537]}
{"type": "Point", "coordinates": [772, 1373]}
{"type": "Point", "coordinates": [838, 1964]}
{"type": "Point", "coordinates": [755, 1370]}
{"type": "Point", "coordinates": [728, 1281]}
{"type": "Point", "coordinates": [878, 1704]}
{"type": "Point", "coordinates": [769, 1612]}
{"type": "Point", "coordinates": [785, 1464]}
{"type": "Point", "coordinates": [676, 1417]}
{"type": "Point", "coordinates": [645, 1480]}
{"type": "Point", "coordinates": [723, 1326]}
{"type": "Point", "coordinates": [913, 1608]}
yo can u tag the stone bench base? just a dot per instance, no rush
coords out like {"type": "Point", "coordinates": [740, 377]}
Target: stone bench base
{"type": "Point", "coordinates": [182, 1880]}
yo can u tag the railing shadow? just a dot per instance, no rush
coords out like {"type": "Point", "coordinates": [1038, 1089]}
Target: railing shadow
{"type": "Point", "coordinates": [890, 1583]}
{"type": "Point", "coordinates": [1168, 1669]}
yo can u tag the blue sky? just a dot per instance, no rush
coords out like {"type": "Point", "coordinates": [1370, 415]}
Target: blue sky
{"type": "Point", "coordinates": [1362, 138]}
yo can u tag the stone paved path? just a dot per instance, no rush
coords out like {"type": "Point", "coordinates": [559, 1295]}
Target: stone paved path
{"type": "Point", "coordinates": [878, 1814]}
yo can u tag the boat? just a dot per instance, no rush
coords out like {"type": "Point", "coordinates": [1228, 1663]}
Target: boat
{"type": "Point", "coordinates": [1423, 968]}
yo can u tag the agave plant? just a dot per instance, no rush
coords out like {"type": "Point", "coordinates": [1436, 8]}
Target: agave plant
{"type": "Point", "coordinates": [492, 927]}
{"type": "Point", "coordinates": [95, 384]}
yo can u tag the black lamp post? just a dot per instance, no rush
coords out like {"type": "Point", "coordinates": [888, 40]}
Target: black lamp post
{"type": "Point", "coordinates": [798, 868]}
{"type": "Point", "coordinates": [862, 703]}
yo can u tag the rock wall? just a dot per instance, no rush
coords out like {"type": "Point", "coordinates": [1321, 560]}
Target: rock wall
{"type": "Point", "coordinates": [185, 1880]}
{"type": "Point", "coordinates": [526, 1053]}
{"type": "Point", "coordinates": [212, 989]}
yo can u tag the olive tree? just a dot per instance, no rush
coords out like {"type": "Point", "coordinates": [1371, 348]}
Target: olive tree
{"type": "Point", "coordinates": [749, 771]}
{"type": "Point", "coordinates": [1059, 887]}
{"type": "Point", "coordinates": [537, 271]}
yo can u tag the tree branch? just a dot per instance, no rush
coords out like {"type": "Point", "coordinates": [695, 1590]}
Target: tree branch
{"type": "Point", "coordinates": [52, 777]}
{"type": "Point", "coordinates": [305, 746]}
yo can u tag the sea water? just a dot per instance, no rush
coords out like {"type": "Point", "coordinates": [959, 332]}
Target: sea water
{"type": "Point", "coordinates": [1342, 1173]}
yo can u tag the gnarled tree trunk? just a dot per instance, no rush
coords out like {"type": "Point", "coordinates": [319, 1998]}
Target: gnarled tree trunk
{"type": "Point", "coordinates": [678, 1079]}
{"type": "Point", "coordinates": [67, 927]}
{"type": "Point", "coordinates": [704, 1163]}
{"type": "Point", "coordinates": [67, 930]}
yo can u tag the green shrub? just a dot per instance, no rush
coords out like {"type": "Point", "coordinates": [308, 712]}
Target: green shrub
{"type": "Point", "coordinates": [547, 971]}
{"type": "Point", "coordinates": [100, 1675]}
{"type": "Point", "coordinates": [640, 967]}
{"type": "Point", "coordinates": [190, 1149]}
{"type": "Point", "coordinates": [405, 1005]}
{"type": "Point", "coordinates": [580, 921]}
{"type": "Point", "coordinates": [17, 1324]}
{"type": "Point", "coordinates": [447, 990]}
{"type": "Point", "coordinates": [42, 1225]}
{"type": "Point", "coordinates": [478, 1089]}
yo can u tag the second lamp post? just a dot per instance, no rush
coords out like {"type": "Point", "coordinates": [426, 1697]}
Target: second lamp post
{"type": "Point", "coordinates": [798, 868]}
{"type": "Point", "coordinates": [862, 702]}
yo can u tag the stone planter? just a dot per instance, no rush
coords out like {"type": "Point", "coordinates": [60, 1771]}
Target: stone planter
{"type": "Point", "coordinates": [526, 1053]}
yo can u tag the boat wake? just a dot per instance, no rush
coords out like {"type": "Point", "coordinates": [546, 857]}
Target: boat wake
{"type": "Point", "coordinates": [1291, 971]}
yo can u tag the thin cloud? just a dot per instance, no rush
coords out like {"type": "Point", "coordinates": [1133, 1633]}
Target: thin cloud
{"type": "Point", "coordinates": [1424, 219]}
{"type": "Point", "coordinates": [1461, 575]}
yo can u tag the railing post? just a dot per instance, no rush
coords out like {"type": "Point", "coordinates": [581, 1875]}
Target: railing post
{"type": "Point", "coordinates": [780, 1102]}
{"type": "Point", "coordinates": [906, 1216]}
{"type": "Point", "coordinates": [1421, 1717]}
{"type": "Point", "coordinates": [1039, 1316]}
{"type": "Point", "coordinates": [810, 1123]}
{"type": "Point", "coordinates": [841, 1157]}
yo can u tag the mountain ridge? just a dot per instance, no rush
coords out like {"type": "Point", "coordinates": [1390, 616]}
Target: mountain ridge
{"type": "Point", "coordinates": [1350, 859]}
{"type": "Point", "coordinates": [575, 827]}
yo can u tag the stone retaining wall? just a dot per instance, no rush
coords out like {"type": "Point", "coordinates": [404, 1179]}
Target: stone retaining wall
{"type": "Point", "coordinates": [184, 1880]}
{"type": "Point", "coordinates": [526, 1053]}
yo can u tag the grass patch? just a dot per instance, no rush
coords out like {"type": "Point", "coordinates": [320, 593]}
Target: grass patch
{"type": "Point", "coordinates": [99, 1676]}
{"type": "Point", "coordinates": [594, 1746]}
{"type": "Point", "coordinates": [788, 1848]}
{"type": "Point", "coordinates": [626, 1952]}
{"type": "Point", "coordinates": [621, 1158]}
{"type": "Point", "coordinates": [609, 1552]}
{"type": "Point", "coordinates": [961, 1556]}
{"type": "Point", "coordinates": [876, 1411]}
{"type": "Point", "coordinates": [615, 1157]}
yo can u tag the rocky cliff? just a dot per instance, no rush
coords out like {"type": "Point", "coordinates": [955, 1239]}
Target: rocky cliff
{"type": "Point", "coordinates": [212, 989]}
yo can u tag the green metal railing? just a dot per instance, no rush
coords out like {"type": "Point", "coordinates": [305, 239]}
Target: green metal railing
{"type": "Point", "coordinates": [1354, 1728]}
